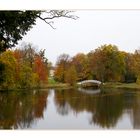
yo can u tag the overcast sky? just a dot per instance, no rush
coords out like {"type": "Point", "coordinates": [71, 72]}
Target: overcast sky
{"type": "Point", "coordinates": [93, 29]}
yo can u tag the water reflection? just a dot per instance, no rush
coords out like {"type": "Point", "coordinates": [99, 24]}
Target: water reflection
{"type": "Point", "coordinates": [89, 90]}
{"type": "Point", "coordinates": [21, 109]}
{"type": "Point", "coordinates": [136, 113]}
{"type": "Point", "coordinates": [109, 109]}
{"type": "Point", "coordinates": [105, 109]}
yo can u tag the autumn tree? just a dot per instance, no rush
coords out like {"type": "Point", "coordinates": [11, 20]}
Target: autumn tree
{"type": "Point", "coordinates": [107, 63]}
{"type": "Point", "coordinates": [27, 77]}
{"type": "Point", "coordinates": [23, 68]}
{"type": "Point", "coordinates": [130, 67]}
{"type": "Point", "coordinates": [62, 65]}
{"type": "Point", "coordinates": [80, 61]}
{"type": "Point", "coordinates": [36, 61]}
{"type": "Point", "coordinates": [19, 62]}
{"type": "Point", "coordinates": [15, 24]}
{"type": "Point", "coordinates": [137, 65]}
{"type": "Point", "coordinates": [71, 76]}
{"type": "Point", "coordinates": [40, 69]}
{"type": "Point", "coordinates": [8, 74]}
{"type": "Point", "coordinates": [28, 53]}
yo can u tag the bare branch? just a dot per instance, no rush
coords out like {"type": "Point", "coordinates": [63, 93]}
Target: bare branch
{"type": "Point", "coordinates": [53, 14]}
{"type": "Point", "coordinates": [49, 23]}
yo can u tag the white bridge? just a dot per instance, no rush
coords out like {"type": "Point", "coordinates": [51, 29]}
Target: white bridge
{"type": "Point", "coordinates": [89, 81]}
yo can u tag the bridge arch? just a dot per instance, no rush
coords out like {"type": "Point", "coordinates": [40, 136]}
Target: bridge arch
{"type": "Point", "coordinates": [90, 81]}
{"type": "Point", "coordinates": [87, 83]}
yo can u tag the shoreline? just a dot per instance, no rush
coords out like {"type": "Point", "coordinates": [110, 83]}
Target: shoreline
{"type": "Point", "coordinates": [112, 85]}
{"type": "Point", "coordinates": [129, 86]}
{"type": "Point", "coordinates": [48, 86]}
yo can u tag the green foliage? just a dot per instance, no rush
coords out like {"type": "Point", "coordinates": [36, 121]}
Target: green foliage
{"type": "Point", "coordinates": [138, 80]}
{"type": "Point", "coordinates": [14, 25]}
{"type": "Point", "coordinates": [8, 74]}
{"type": "Point", "coordinates": [26, 77]}
{"type": "Point", "coordinates": [51, 81]}
{"type": "Point", "coordinates": [2, 68]}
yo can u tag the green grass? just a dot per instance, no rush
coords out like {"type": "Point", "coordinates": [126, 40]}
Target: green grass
{"type": "Point", "coordinates": [122, 85]}
{"type": "Point", "coordinates": [51, 81]}
{"type": "Point", "coordinates": [58, 85]}
{"type": "Point", "coordinates": [54, 84]}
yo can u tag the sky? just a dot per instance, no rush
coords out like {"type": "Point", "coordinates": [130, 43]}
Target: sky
{"type": "Point", "coordinates": [92, 29]}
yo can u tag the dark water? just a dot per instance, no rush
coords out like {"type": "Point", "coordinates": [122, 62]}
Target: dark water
{"type": "Point", "coordinates": [70, 109]}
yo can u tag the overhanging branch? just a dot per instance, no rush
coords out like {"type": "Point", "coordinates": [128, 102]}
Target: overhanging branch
{"type": "Point", "coordinates": [53, 14]}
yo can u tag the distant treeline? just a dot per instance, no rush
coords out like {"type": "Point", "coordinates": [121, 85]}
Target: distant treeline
{"type": "Point", "coordinates": [27, 68]}
{"type": "Point", "coordinates": [106, 63]}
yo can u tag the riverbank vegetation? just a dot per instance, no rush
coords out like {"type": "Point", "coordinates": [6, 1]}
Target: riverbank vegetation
{"type": "Point", "coordinates": [23, 68]}
{"type": "Point", "coordinates": [28, 67]}
{"type": "Point", "coordinates": [118, 85]}
{"type": "Point", "coordinates": [106, 64]}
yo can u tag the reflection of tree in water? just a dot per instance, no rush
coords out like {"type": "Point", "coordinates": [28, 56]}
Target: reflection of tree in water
{"type": "Point", "coordinates": [68, 98]}
{"type": "Point", "coordinates": [108, 110]}
{"type": "Point", "coordinates": [132, 107]}
{"type": "Point", "coordinates": [105, 109]}
{"type": "Point", "coordinates": [21, 109]}
{"type": "Point", "coordinates": [63, 107]}
{"type": "Point", "coordinates": [136, 112]}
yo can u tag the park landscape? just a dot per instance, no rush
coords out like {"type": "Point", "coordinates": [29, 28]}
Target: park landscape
{"type": "Point", "coordinates": [38, 94]}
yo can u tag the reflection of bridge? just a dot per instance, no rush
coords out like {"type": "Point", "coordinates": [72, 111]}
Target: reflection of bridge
{"type": "Point", "coordinates": [89, 91]}
{"type": "Point", "coordinates": [86, 82]}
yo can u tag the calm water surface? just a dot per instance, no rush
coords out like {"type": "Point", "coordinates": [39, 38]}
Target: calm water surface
{"type": "Point", "coordinates": [70, 109]}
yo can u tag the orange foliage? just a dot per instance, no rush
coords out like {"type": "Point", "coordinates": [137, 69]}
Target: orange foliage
{"type": "Point", "coordinates": [40, 68]}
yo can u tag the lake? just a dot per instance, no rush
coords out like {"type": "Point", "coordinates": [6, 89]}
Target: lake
{"type": "Point", "coordinates": [70, 109]}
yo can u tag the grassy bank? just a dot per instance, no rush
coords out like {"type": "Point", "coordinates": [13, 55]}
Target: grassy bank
{"type": "Point", "coordinates": [58, 85]}
{"type": "Point", "coordinates": [117, 85]}
{"type": "Point", "coordinates": [45, 86]}
{"type": "Point", "coordinates": [54, 84]}
{"type": "Point", "coordinates": [51, 84]}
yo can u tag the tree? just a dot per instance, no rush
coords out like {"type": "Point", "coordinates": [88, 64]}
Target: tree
{"type": "Point", "coordinates": [2, 69]}
{"type": "Point", "coordinates": [31, 63]}
{"type": "Point", "coordinates": [8, 73]}
{"type": "Point", "coordinates": [130, 68]}
{"type": "Point", "coordinates": [71, 76]}
{"type": "Point", "coordinates": [62, 65]}
{"type": "Point", "coordinates": [107, 63]}
{"type": "Point", "coordinates": [40, 69]}
{"type": "Point", "coordinates": [26, 77]}
{"type": "Point", "coordinates": [19, 62]}
{"type": "Point", "coordinates": [137, 65]}
{"type": "Point", "coordinates": [80, 61]}
{"type": "Point", "coordinates": [15, 24]}
{"type": "Point", "coordinates": [28, 53]}
{"type": "Point", "coordinates": [23, 68]}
